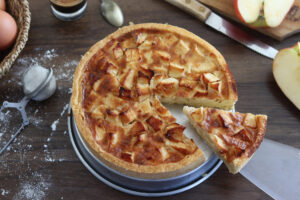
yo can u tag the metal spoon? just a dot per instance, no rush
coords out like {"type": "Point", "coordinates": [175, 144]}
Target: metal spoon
{"type": "Point", "coordinates": [38, 84]}
{"type": "Point", "coordinates": [112, 12]}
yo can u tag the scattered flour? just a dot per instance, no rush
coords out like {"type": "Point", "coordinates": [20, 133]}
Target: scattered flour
{"type": "Point", "coordinates": [71, 63]}
{"type": "Point", "coordinates": [34, 184]}
{"type": "Point", "coordinates": [34, 189]}
{"type": "Point", "coordinates": [48, 155]}
{"type": "Point", "coordinates": [61, 159]}
{"type": "Point", "coordinates": [4, 192]}
{"type": "Point", "coordinates": [50, 54]}
{"type": "Point", "coordinates": [5, 116]}
{"type": "Point", "coordinates": [2, 116]}
{"type": "Point", "coordinates": [36, 111]}
{"type": "Point", "coordinates": [34, 118]}
{"type": "Point", "coordinates": [36, 121]}
{"type": "Point", "coordinates": [43, 57]}
{"type": "Point", "coordinates": [47, 58]}
{"type": "Point", "coordinates": [70, 91]}
{"type": "Point", "coordinates": [54, 124]}
{"type": "Point", "coordinates": [64, 110]}
{"type": "Point", "coordinates": [67, 71]}
{"type": "Point", "coordinates": [49, 158]}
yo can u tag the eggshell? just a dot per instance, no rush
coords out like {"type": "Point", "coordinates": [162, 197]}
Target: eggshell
{"type": "Point", "coordinates": [2, 4]}
{"type": "Point", "coordinates": [8, 30]}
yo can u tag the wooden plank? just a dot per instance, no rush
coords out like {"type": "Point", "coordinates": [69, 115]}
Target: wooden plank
{"type": "Point", "coordinates": [41, 163]}
{"type": "Point", "coordinates": [289, 26]}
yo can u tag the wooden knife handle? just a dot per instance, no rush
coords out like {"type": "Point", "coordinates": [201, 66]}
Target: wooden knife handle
{"type": "Point", "coordinates": [193, 7]}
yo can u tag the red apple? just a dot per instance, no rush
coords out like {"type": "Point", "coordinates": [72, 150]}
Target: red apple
{"type": "Point", "coordinates": [260, 13]}
{"type": "Point", "coordinates": [286, 71]}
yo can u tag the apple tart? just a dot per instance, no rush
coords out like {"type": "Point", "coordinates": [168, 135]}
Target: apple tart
{"type": "Point", "coordinates": [121, 81]}
{"type": "Point", "coordinates": [233, 136]}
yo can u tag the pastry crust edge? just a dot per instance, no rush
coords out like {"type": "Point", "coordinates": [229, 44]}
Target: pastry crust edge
{"type": "Point", "coordinates": [78, 112]}
{"type": "Point", "coordinates": [238, 163]}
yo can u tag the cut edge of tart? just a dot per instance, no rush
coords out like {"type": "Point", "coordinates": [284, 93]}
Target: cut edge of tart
{"type": "Point", "coordinates": [96, 123]}
{"type": "Point", "coordinates": [233, 136]}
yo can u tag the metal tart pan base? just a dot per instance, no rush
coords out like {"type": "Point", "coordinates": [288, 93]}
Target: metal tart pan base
{"type": "Point", "coordinates": [135, 185]}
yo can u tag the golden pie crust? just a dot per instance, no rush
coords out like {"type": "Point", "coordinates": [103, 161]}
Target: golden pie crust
{"type": "Point", "coordinates": [233, 136]}
{"type": "Point", "coordinates": [118, 86]}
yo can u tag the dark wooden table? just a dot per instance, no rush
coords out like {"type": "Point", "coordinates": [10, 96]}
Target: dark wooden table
{"type": "Point", "coordinates": [41, 163]}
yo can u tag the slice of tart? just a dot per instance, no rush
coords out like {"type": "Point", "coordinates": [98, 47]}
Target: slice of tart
{"type": "Point", "coordinates": [233, 136]}
{"type": "Point", "coordinates": [119, 85]}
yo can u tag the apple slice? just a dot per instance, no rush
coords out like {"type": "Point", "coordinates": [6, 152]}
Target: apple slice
{"type": "Point", "coordinates": [262, 13]}
{"type": "Point", "coordinates": [286, 71]}
{"type": "Point", "coordinates": [276, 10]}
{"type": "Point", "coordinates": [248, 10]}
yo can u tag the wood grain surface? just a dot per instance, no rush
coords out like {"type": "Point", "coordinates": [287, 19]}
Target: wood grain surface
{"type": "Point", "coordinates": [41, 163]}
{"type": "Point", "coordinates": [289, 26]}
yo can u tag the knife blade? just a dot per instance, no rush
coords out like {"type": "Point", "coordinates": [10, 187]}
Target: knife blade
{"type": "Point", "coordinates": [275, 169]}
{"type": "Point", "coordinates": [218, 23]}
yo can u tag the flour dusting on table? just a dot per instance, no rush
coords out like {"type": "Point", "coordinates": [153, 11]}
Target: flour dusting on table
{"type": "Point", "coordinates": [64, 110]}
{"type": "Point", "coordinates": [26, 151]}
{"type": "Point", "coordinates": [4, 192]}
{"type": "Point", "coordinates": [54, 124]}
{"type": "Point", "coordinates": [5, 116]}
{"type": "Point", "coordinates": [66, 72]}
{"type": "Point", "coordinates": [34, 188]}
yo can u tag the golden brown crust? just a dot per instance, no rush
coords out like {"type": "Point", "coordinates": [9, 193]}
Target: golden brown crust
{"type": "Point", "coordinates": [234, 137]}
{"type": "Point", "coordinates": [84, 119]}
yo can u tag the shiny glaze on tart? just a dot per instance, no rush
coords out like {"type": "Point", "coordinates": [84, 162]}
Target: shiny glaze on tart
{"type": "Point", "coordinates": [233, 136]}
{"type": "Point", "coordinates": [119, 85]}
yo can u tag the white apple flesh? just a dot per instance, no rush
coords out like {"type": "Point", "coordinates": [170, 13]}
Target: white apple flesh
{"type": "Point", "coordinates": [276, 10]}
{"type": "Point", "coordinates": [249, 10]}
{"type": "Point", "coordinates": [286, 71]}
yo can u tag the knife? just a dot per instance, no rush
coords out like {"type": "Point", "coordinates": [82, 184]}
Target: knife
{"type": "Point", "coordinates": [275, 169]}
{"type": "Point", "coordinates": [216, 22]}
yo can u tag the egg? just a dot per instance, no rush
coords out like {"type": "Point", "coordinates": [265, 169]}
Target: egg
{"type": "Point", "coordinates": [8, 30]}
{"type": "Point", "coordinates": [2, 4]}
